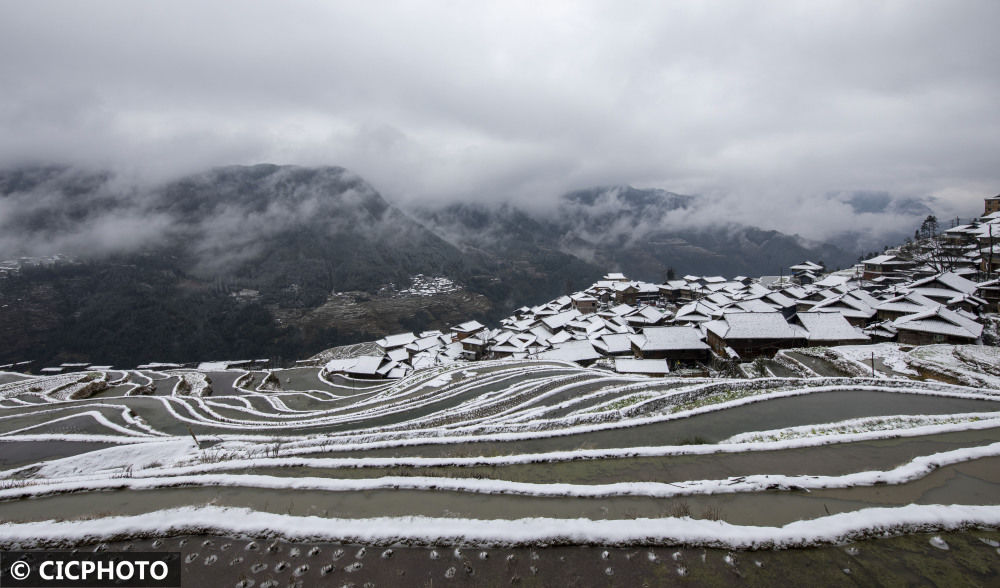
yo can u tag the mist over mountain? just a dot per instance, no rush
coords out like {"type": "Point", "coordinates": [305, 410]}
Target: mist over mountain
{"type": "Point", "coordinates": [268, 226]}
{"type": "Point", "coordinates": [225, 263]}
{"type": "Point", "coordinates": [281, 261]}
{"type": "Point", "coordinates": [641, 232]}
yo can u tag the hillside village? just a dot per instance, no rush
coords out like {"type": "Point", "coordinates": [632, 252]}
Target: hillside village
{"type": "Point", "coordinates": [939, 288]}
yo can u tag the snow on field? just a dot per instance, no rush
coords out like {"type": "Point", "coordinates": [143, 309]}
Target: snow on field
{"type": "Point", "coordinates": [966, 364]}
{"type": "Point", "coordinates": [889, 354]}
{"type": "Point", "coordinates": [479, 433]}
{"type": "Point", "coordinates": [505, 532]}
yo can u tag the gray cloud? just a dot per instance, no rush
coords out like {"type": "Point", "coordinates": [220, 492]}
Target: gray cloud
{"type": "Point", "coordinates": [764, 108]}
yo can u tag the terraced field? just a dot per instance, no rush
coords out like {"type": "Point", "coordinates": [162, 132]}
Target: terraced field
{"type": "Point", "coordinates": [495, 454]}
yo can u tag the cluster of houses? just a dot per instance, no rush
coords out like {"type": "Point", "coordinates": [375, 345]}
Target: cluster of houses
{"type": "Point", "coordinates": [975, 245]}
{"type": "Point", "coordinates": [12, 267]}
{"type": "Point", "coordinates": [681, 325]}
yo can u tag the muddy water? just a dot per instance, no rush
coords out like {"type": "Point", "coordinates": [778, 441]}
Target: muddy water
{"type": "Point", "coordinates": [222, 383]}
{"type": "Point", "coordinates": [39, 420]}
{"type": "Point", "coordinates": [910, 560]}
{"type": "Point", "coordinates": [815, 408]}
{"type": "Point", "coordinates": [779, 370]}
{"type": "Point", "coordinates": [821, 366]}
{"type": "Point", "coordinates": [975, 482]}
{"type": "Point", "coordinates": [305, 379]}
{"type": "Point", "coordinates": [8, 377]}
{"type": "Point", "coordinates": [829, 460]}
{"type": "Point", "coordinates": [18, 453]}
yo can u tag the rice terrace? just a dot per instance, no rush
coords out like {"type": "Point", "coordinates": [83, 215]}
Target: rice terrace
{"type": "Point", "coordinates": [480, 472]}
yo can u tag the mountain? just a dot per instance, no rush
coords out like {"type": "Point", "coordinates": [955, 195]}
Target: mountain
{"type": "Point", "coordinates": [882, 202]}
{"type": "Point", "coordinates": [238, 261]}
{"type": "Point", "coordinates": [641, 232]}
{"type": "Point", "coordinates": [283, 261]}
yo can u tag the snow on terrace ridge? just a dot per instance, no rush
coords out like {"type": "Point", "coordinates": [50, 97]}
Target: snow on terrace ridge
{"type": "Point", "coordinates": [450, 413]}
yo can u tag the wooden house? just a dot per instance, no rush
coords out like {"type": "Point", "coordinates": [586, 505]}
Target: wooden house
{"type": "Point", "coordinates": [937, 325]}
{"type": "Point", "coordinates": [827, 329]}
{"type": "Point", "coordinates": [753, 334]}
{"type": "Point", "coordinates": [675, 344]}
{"type": "Point", "coordinates": [883, 266]}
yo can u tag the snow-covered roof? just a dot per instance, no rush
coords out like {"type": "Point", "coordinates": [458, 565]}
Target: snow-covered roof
{"type": "Point", "coordinates": [641, 366]}
{"type": "Point", "coordinates": [364, 365]}
{"type": "Point", "coordinates": [670, 338]}
{"type": "Point", "coordinates": [397, 340]}
{"type": "Point", "coordinates": [907, 303]}
{"type": "Point", "coordinates": [558, 320]}
{"type": "Point", "coordinates": [807, 266]}
{"type": "Point", "coordinates": [617, 343]}
{"type": "Point", "coordinates": [753, 325]}
{"type": "Point", "coordinates": [560, 337]}
{"type": "Point", "coordinates": [425, 343]}
{"type": "Point", "coordinates": [538, 332]}
{"type": "Point", "coordinates": [779, 299]}
{"type": "Point", "coordinates": [696, 311]}
{"type": "Point", "coordinates": [829, 326]}
{"type": "Point", "coordinates": [949, 280]}
{"type": "Point", "coordinates": [832, 281]}
{"type": "Point", "coordinates": [621, 309]}
{"type": "Point", "coordinates": [213, 366]}
{"type": "Point", "coordinates": [796, 292]}
{"type": "Point", "coordinates": [884, 329]}
{"type": "Point", "coordinates": [941, 321]}
{"type": "Point", "coordinates": [719, 299]}
{"type": "Point", "coordinates": [887, 259]}
{"type": "Point", "coordinates": [646, 316]}
{"type": "Point", "coordinates": [571, 351]}
{"type": "Point", "coordinates": [846, 304]}
{"type": "Point", "coordinates": [755, 305]}
{"type": "Point", "coordinates": [468, 327]}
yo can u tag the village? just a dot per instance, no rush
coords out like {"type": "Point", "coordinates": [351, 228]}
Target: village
{"type": "Point", "coordinates": [939, 288]}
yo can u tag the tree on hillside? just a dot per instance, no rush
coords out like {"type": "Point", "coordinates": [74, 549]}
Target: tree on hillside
{"type": "Point", "coordinates": [929, 228]}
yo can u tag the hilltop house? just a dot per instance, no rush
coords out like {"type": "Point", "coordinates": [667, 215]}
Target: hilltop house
{"type": "Point", "coordinates": [747, 335]}
{"type": "Point", "coordinates": [646, 367]}
{"type": "Point", "coordinates": [990, 292]}
{"type": "Point", "coordinates": [581, 352]}
{"type": "Point", "coordinates": [992, 204]}
{"type": "Point", "coordinates": [886, 266]}
{"type": "Point", "coordinates": [826, 329]}
{"type": "Point", "coordinates": [584, 303]}
{"type": "Point", "coordinates": [806, 272]}
{"type": "Point", "coordinates": [949, 289]}
{"type": "Point", "coordinates": [675, 344]}
{"type": "Point", "coordinates": [902, 305]}
{"type": "Point", "coordinates": [937, 325]}
{"type": "Point", "coordinates": [466, 329]}
{"type": "Point", "coordinates": [396, 341]}
{"type": "Point", "coordinates": [855, 306]}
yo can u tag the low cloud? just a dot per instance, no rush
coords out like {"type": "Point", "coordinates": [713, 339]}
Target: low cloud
{"type": "Point", "coordinates": [763, 110]}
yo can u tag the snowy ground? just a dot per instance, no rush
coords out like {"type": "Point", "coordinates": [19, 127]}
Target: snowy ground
{"type": "Point", "coordinates": [509, 452]}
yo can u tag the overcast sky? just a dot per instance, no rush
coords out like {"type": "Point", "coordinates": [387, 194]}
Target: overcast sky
{"type": "Point", "coordinates": [769, 106]}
